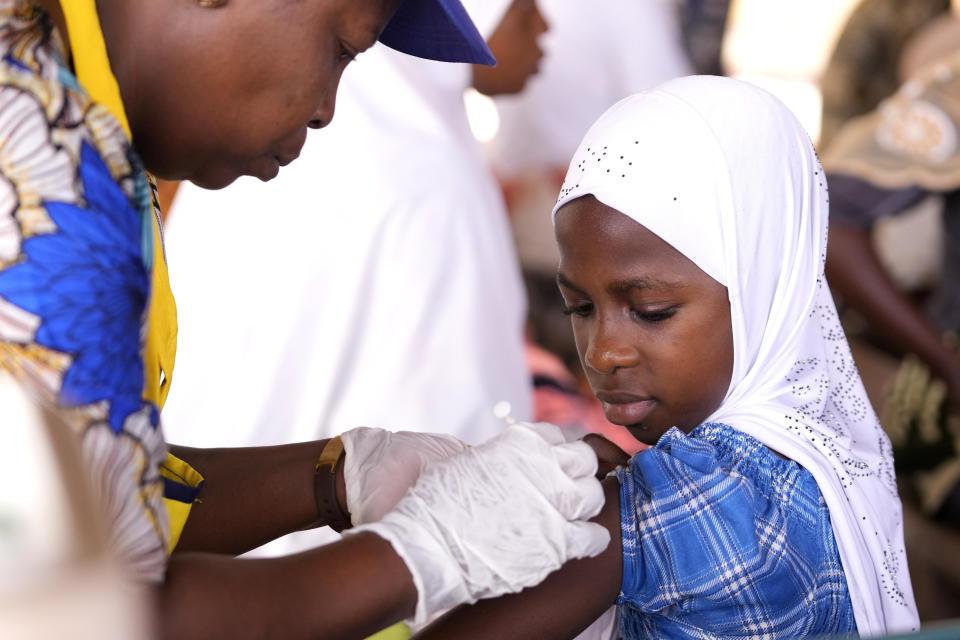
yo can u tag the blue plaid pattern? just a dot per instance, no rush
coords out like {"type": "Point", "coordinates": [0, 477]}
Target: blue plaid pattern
{"type": "Point", "coordinates": [724, 539]}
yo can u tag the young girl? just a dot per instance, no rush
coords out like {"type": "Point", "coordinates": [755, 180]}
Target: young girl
{"type": "Point", "coordinates": [692, 232]}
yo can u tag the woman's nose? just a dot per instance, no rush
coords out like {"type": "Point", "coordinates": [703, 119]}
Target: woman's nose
{"type": "Point", "coordinates": [606, 352]}
{"type": "Point", "coordinates": [324, 113]}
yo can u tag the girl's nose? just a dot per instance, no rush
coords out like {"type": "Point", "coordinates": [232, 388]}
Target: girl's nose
{"type": "Point", "coordinates": [605, 353]}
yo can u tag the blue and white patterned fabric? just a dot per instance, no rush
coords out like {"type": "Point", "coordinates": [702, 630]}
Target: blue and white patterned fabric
{"type": "Point", "coordinates": [76, 256]}
{"type": "Point", "coordinates": [724, 539]}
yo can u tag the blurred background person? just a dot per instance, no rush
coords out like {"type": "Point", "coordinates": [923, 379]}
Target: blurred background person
{"type": "Point", "coordinates": [862, 69]}
{"type": "Point", "coordinates": [894, 259]}
{"type": "Point", "coordinates": [885, 164]}
{"type": "Point", "coordinates": [390, 298]}
{"type": "Point", "coordinates": [703, 24]}
{"type": "Point", "coordinates": [594, 58]}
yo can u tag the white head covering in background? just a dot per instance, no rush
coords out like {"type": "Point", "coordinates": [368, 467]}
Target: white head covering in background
{"type": "Point", "coordinates": [373, 282]}
{"type": "Point", "coordinates": [723, 172]}
{"type": "Point", "coordinates": [594, 56]}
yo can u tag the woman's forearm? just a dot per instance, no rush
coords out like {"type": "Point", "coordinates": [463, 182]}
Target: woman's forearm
{"type": "Point", "coordinates": [251, 495]}
{"type": "Point", "coordinates": [348, 589]}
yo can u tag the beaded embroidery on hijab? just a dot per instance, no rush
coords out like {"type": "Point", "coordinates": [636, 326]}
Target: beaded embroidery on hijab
{"type": "Point", "coordinates": [723, 172]}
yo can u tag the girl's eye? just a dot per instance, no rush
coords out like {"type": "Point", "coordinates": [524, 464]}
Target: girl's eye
{"type": "Point", "coordinates": [654, 316]}
{"type": "Point", "coordinates": [580, 310]}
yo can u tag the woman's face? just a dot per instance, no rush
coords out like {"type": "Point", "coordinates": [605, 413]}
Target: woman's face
{"type": "Point", "coordinates": [230, 91]}
{"type": "Point", "coordinates": [652, 329]}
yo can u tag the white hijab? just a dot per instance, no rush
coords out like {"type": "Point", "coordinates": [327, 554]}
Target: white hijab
{"type": "Point", "coordinates": [723, 172]}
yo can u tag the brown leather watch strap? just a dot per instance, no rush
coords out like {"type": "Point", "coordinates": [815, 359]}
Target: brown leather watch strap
{"type": "Point", "coordinates": [325, 486]}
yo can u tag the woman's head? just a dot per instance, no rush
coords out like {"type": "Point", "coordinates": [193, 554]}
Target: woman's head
{"type": "Point", "coordinates": [652, 329]}
{"type": "Point", "coordinates": [216, 92]}
{"type": "Point", "coordinates": [709, 189]}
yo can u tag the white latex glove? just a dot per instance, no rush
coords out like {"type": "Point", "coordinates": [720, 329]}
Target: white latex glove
{"type": "Point", "coordinates": [381, 465]}
{"type": "Point", "coordinates": [496, 518]}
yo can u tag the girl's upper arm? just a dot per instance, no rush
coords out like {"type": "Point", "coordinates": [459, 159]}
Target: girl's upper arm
{"type": "Point", "coordinates": [561, 606]}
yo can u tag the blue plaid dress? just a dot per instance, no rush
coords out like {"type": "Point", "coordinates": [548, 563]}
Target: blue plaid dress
{"type": "Point", "coordinates": [724, 539]}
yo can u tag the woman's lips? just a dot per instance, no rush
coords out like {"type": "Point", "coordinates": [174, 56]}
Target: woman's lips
{"type": "Point", "coordinates": [624, 408]}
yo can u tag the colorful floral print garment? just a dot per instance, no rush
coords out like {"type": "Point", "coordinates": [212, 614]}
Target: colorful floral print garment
{"type": "Point", "coordinates": [76, 249]}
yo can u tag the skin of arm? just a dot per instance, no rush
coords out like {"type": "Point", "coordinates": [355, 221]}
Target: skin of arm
{"type": "Point", "coordinates": [348, 589]}
{"type": "Point", "coordinates": [562, 606]}
{"type": "Point", "coordinates": [317, 593]}
{"type": "Point", "coordinates": [252, 495]}
{"type": "Point", "coordinates": [855, 272]}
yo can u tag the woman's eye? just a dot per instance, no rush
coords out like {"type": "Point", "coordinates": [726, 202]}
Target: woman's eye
{"type": "Point", "coordinates": [581, 310]}
{"type": "Point", "coordinates": [654, 316]}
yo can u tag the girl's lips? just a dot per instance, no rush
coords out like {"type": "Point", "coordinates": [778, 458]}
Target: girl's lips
{"type": "Point", "coordinates": [628, 413]}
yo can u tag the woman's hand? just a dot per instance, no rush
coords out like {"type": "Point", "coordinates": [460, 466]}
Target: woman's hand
{"type": "Point", "coordinates": [496, 518]}
{"type": "Point", "coordinates": [381, 465]}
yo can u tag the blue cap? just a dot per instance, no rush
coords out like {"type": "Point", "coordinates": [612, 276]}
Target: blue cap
{"type": "Point", "coordinates": [436, 30]}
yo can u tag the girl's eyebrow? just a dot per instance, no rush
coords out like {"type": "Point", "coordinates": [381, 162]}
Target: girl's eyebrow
{"type": "Point", "coordinates": [564, 282]}
{"type": "Point", "coordinates": [624, 286]}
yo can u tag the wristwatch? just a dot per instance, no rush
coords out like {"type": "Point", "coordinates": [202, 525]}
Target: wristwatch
{"type": "Point", "coordinates": [325, 486]}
